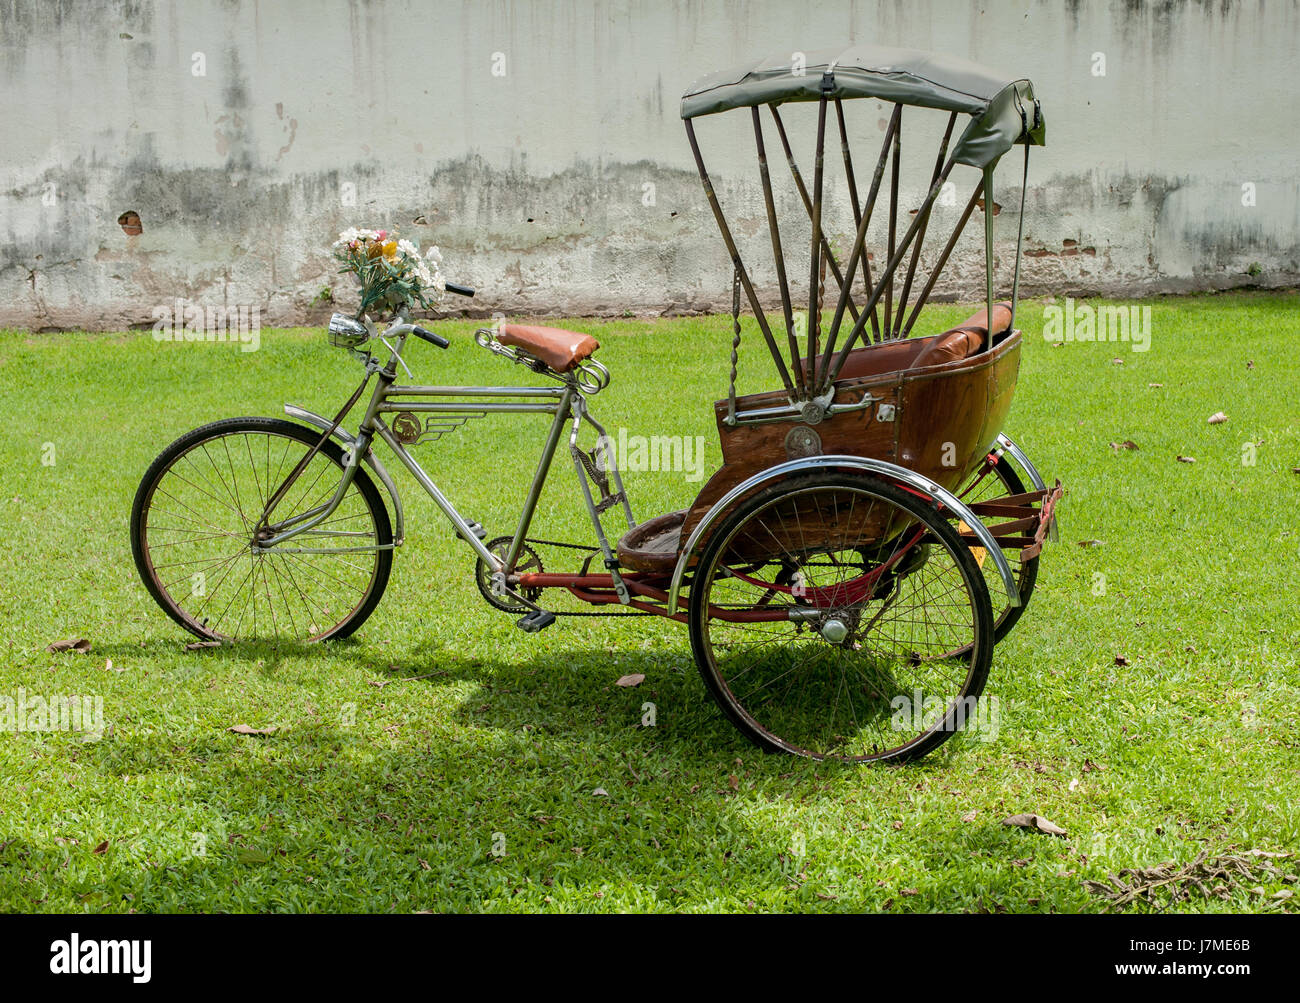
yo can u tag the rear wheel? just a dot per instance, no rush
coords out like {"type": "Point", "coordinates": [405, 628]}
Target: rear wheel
{"type": "Point", "coordinates": [194, 520]}
{"type": "Point", "coordinates": [841, 617]}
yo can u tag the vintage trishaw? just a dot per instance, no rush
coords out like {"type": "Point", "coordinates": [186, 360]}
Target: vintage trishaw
{"type": "Point", "coordinates": [836, 572]}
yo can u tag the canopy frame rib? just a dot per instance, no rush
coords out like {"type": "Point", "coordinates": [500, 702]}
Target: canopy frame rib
{"type": "Point", "coordinates": [897, 256]}
{"type": "Point", "coordinates": [815, 278]}
{"type": "Point", "coordinates": [778, 253]}
{"type": "Point", "coordinates": [739, 265]}
{"type": "Point", "coordinates": [851, 177]}
{"type": "Point", "coordinates": [943, 258]}
{"type": "Point", "coordinates": [894, 170]}
{"type": "Point", "coordinates": [859, 241]}
{"type": "Point", "coordinates": [807, 202]}
{"type": "Point", "coordinates": [920, 237]}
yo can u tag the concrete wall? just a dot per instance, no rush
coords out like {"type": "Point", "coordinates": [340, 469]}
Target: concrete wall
{"type": "Point", "coordinates": [535, 182]}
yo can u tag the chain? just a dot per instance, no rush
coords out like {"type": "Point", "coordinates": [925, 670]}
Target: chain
{"type": "Point", "coordinates": [592, 550]}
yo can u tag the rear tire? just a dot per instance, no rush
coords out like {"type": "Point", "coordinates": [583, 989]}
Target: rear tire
{"type": "Point", "coordinates": [892, 609]}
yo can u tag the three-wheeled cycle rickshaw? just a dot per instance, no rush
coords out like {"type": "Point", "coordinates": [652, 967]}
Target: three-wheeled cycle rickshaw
{"type": "Point", "coordinates": [871, 532]}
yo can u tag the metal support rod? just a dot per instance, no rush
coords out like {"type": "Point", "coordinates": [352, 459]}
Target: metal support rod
{"type": "Point", "coordinates": [735, 259]}
{"type": "Point", "coordinates": [1020, 236]}
{"type": "Point", "coordinates": [988, 252]}
{"type": "Point", "coordinates": [786, 309]}
{"type": "Point", "coordinates": [943, 257]}
{"type": "Point", "coordinates": [920, 237]}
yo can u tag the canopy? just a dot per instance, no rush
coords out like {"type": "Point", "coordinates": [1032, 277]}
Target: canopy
{"type": "Point", "coordinates": [1003, 112]}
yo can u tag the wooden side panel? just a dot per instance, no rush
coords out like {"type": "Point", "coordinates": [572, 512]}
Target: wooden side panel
{"type": "Point", "coordinates": [951, 415]}
{"type": "Point", "coordinates": [946, 418]}
{"type": "Point", "coordinates": [749, 449]}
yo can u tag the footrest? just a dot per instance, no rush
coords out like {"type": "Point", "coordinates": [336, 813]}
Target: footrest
{"type": "Point", "coordinates": [653, 545]}
{"type": "Point", "coordinates": [535, 621]}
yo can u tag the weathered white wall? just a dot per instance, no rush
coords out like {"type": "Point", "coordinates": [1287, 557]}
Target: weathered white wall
{"type": "Point", "coordinates": [534, 182]}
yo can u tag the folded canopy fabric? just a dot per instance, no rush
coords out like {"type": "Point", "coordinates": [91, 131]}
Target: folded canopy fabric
{"type": "Point", "coordinates": [1003, 112]}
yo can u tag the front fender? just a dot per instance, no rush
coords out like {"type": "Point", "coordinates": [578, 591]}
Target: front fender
{"type": "Point", "coordinates": [860, 464]}
{"type": "Point", "coordinates": [371, 460]}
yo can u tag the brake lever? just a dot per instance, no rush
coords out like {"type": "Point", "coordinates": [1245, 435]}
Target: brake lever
{"type": "Point", "coordinates": [397, 355]}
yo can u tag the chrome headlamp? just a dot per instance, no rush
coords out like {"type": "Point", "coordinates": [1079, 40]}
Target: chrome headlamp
{"type": "Point", "coordinates": [347, 332]}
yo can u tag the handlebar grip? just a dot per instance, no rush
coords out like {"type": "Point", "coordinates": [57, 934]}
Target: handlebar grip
{"type": "Point", "coordinates": [430, 337]}
{"type": "Point", "coordinates": [458, 290]}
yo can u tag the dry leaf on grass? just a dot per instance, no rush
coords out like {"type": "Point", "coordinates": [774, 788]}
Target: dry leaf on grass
{"type": "Point", "coordinates": [1126, 444]}
{"type": "Point", "coordinates": [243, 729]}
{"type": "Point", "coordinates": [635, 679]}
{"type": "Point", "coordinates": [1212, 877]}
{"type": "Point", "coordinates": [1186, 459]}
{"type": "Point", "coordinates": [1090, 543]}
{"type": "Point", "coordinates": [1121, 660]}
{"type": "Point", "coordinates": [1035, 822]}
{"type": "Point", "coordinates": [200, 645]}
{"type": "Point", "coordinates": [1218, 418]}
{"type": "Point", "coordinates": [101, 848]}
{"type": "Point", "coordinates": [970, 816]}
{"type": "Point", "coordinates": [80, 645]}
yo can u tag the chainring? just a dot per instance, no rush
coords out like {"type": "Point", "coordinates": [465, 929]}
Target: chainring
{"type": "Point", "coordinates": [529, 563]}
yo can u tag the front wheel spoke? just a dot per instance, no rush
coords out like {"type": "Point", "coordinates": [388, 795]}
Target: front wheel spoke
{"type": "Point", "coordinates": [213, 564]}
{"type": "Point", "coordinates": [318, 571]}
{"type": "Point", "coordinates": [235, 595]}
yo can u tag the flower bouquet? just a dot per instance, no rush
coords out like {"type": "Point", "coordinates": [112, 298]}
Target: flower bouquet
{"type": "Point", "coordinates": [393, 274]}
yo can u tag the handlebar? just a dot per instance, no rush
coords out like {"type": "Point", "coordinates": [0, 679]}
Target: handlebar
{"type": "Point", "coordinates": [430, 337]}
{"type": "Point", "coordinates": [437, 339]}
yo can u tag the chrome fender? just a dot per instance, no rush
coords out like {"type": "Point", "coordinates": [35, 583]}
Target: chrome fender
{"type": "Point", "coordinates": [371, 460]}
{"type": "Point", "coordinates": [1007, 445]}
{"type": "Point", "coordinates": [859, 464]}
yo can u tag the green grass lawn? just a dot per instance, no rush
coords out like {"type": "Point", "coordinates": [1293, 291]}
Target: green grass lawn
{"type": "Point", "coordinates": [466, 781]}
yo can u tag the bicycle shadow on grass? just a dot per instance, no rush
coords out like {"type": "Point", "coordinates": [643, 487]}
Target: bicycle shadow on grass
{"type": "Point", "coordinates": [546, 753]}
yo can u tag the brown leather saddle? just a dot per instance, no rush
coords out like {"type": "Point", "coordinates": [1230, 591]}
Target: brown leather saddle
{"type": "Point", "coordinates": [555, 347]}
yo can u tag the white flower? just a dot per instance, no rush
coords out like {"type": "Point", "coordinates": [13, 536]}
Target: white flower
{"type": "Point", "coordinates": [352, 234]}
{"type": "Point", "coordinates": [409, 249]}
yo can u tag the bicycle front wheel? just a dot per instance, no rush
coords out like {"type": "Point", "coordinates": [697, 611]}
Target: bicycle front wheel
{"type": "Point", "coordinates": [196, 514]}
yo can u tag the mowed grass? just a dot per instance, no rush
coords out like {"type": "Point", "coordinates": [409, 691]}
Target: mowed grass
{"type": "Point", "coordinates": [468, 781]}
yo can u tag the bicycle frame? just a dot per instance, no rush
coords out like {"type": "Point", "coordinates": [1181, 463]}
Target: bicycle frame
{"type": "Point", "coordinates": [565, 403]}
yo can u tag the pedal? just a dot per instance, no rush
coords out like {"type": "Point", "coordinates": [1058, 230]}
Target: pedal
{"type": "Point", "coordinates": [535, 621]}
{"type": "Point", "coordinates": [477, 529]}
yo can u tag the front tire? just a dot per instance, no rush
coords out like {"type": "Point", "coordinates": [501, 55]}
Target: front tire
{"type": "Point", "coordinates": [192, 528]}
